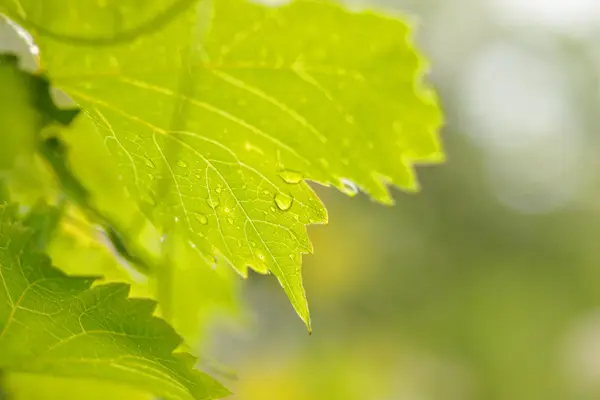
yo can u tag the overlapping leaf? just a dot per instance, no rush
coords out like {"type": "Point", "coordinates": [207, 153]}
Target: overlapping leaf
{"type": "Point", "coordinates": [56, 325]}
{"type": "Point", "coordinates": [215, 134]}
{"type": "Point", "coordinates": [25, 108]}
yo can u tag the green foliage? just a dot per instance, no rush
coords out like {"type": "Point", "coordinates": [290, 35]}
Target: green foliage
{"type": "Point", "coordinates": [54, 324]}
{"type": "Point", "coordinates": [26, 108]}
{"type": "Point", "coordinates": [200, 126]}
{"type": "Point", "coordinates": [229, 128]}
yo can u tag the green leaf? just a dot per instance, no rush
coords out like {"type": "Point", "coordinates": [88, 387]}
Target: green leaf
{"type": "Point", "coordinates": [196, 290]}
{"type": "Point", "coordinates": [217, 130]}
{"type": "Point", "coordinates": [53, 324]}
{"type": "Point", "coordinates": [25, 108]}
{"type": "Point", "coordinates": [27, 387]}
{"type": "Point", "coordinates": [197, 293]}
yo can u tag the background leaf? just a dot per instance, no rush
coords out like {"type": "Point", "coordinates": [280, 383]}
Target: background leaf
{"type": "Point", "coordinates": [27, 387]}
{"type": "Point", "coordinates": [52, 324]}
{"type": "Point", "coordinates": [25, 108]}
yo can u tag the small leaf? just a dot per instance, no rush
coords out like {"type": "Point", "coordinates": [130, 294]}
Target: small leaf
{"type": "Point", "coordinates": [53, 324]}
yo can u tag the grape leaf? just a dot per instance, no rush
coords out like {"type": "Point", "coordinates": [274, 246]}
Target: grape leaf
{"type": "Point", "coordinates": [53, 324]}
{"type": "Point", "coordinates": [217, 129]}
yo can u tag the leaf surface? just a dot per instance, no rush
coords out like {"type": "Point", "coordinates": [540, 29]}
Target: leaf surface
{"type": "Point", "coordinates": [217, 128]}
{"type": "Point", "coordinates": [27, 387]}
{"type": "Point", "coordinates": [25, 108]}
{"type": "Point", "coordinates": [56, 325]}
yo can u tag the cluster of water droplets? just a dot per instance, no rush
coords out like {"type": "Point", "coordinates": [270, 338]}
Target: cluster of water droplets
{"type": "Point", "coordinates": [282, 201]}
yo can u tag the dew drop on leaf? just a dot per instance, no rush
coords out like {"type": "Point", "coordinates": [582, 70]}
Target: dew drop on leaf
{"type": "Point", "coordinates": [218, 189]}
{"type": "Point", "coordinates": [350, 187]}
{"type": "Point", "coordinates": [213, 203]}
{"type": "Point", "coordinates": [230, 220]}
{"type": "Point", "coordinates": [182, 164]}
{"type": "Point", "coordinates": [202, 219]}
{"type": "Point", "coordinates": [283, 201]}
{"type": "Point", "coordinates": [291, 177]}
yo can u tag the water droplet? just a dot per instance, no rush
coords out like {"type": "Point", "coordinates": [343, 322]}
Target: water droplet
{"type": "Point", "coordinates": [283, 201]}
{"type": "Point", "coordinates": [272, 209]}
{"type": "Point", "coordinates": [350, 187]}
{"type": "Point", "coordinates": [182, 164]}
{"type": "Point", "coordinates": [202, 219]}
{"type": "Point", "coordinates": [227, 209]}
{"type": "Point", "coordinates": [260, 256]}
{"type": "Point", "coordinates": [213, 203]}
{"type": "Point", "coordinates": [252, 244]}
{"type": "Point", "coordinates": [230, 220]}
{"type": "Point", "coordinates": [198, 176]}
{"type": "Point", "coordinates": [266, 192]}
{"type": "Point", "coordinates": [218, 189]}
{"type": "Point", "coordinates": [291, 177]}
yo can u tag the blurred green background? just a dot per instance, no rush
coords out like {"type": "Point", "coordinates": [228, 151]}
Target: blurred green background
{"type": "Point", "coordinates": [486, 285]}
